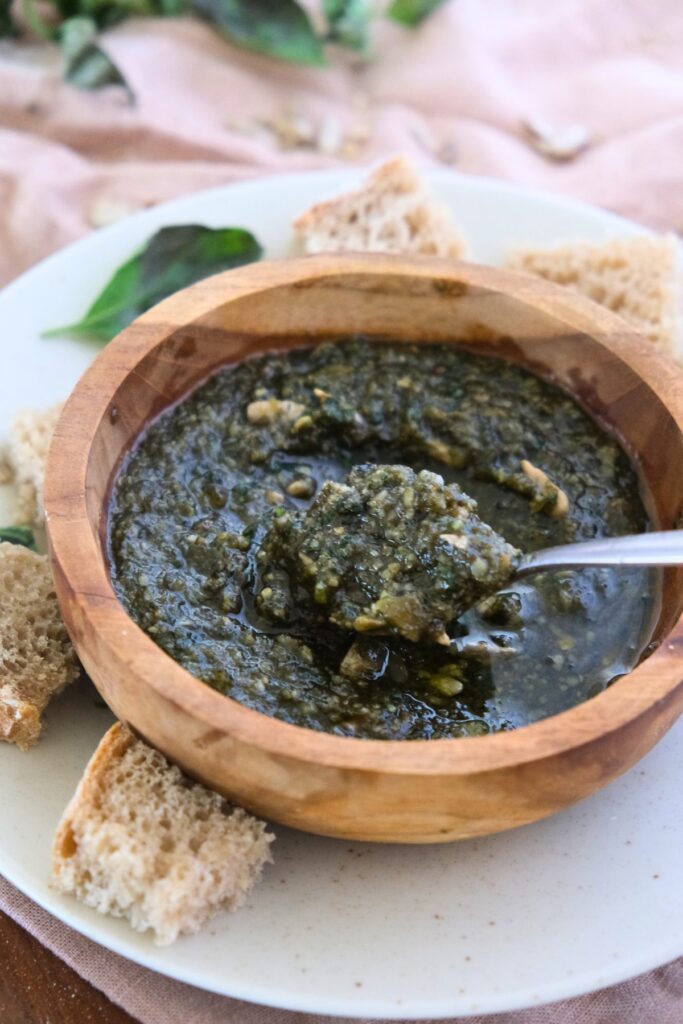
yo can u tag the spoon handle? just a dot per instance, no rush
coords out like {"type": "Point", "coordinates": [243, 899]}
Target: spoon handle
{"type": "Point", "coordinates": [663, 548]}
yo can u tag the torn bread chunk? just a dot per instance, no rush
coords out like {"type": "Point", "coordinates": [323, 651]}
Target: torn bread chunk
{"type": "Point", "coordinates": [392, 211]}
{"type": "Point", "coordinates": [36, 657]}
{"type": "Point", "coordinates": [140, 840]}
{"type": "Point", "coordinates": [641, 279]}
{"type": "Point", "coordinates": [24, 457]}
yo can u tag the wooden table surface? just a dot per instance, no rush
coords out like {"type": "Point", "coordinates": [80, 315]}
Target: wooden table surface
{"type": "Point", "coordinates": [36, 987]}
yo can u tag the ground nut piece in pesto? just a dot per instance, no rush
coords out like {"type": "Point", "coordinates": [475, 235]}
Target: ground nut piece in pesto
{"type": "Point", "coordinates": [388, 552]}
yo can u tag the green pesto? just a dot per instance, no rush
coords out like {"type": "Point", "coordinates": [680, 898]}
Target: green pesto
{"type": "Point", "coordinates": [216, 479]}
{"type": "Point", "coordinates": [388, 552]}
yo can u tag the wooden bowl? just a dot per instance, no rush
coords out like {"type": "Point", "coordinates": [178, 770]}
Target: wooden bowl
{"type": "Point", "coordinates": [420, 791]}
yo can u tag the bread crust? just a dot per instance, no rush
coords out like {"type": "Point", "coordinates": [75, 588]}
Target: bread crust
{"type": "Point", "coordinates": [639, 278]}
{"type": "Point", "coordinates": [24, 457]}
{"type": "Point", "coordinates": [37, 660]}
{"type": "Point", "coordinates": [111, 748]}
{"type": "Point", "coordinates": [392, 211]}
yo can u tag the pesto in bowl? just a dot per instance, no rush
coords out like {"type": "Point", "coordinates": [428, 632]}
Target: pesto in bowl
{"type": "Point", "coordinates": [210, 479]}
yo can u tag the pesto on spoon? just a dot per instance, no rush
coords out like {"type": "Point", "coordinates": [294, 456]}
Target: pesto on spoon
{"type": "Point", "coordinates": [391, 552]}
{"type": "Point", "coordinates": [388, 552]}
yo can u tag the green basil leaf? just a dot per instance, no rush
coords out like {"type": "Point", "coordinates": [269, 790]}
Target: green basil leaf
{"type": "Point", "coordinates": [18, 535]}
{"type": "Point", "coordinates": [103, 13]}
{"type": "Point", "coordinates": [412, 12]}
{"type": "Point", "coordinates": [86, 66]}
{"type": "Point", "coordinates": [106, 13]}
{"type": "Point", "coordinates": [8, 26]}
{"type": "Point", "coordinates": [70, 8]}
{"type": "Point", "coordinates": [76, 35]}
{"type": "Point", "coordinates": [348, 22]}
{"type": "Point", "coordinates": [277, 28]}
{"type": "Point", "coordinates": [36, 23]}
{"type": "Point", "coordinates": [173, 258]}
{"type": "Point", "coordinates": [171, 8]}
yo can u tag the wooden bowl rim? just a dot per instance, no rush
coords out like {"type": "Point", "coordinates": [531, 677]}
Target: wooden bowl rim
{"type": "Point", "coordinates": [89, 583]}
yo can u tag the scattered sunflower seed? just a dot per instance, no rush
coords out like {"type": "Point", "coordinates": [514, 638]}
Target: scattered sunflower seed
{"type": "Point", "coordinates": [443, 150]}
{"type": "Point", "coordinates": [556, 143]}
{"type": "Point", "coordinates": [330, 135]}
{"type": "Point", "coordinates": [291, 129]}
{"type": "Point", "coordinates": [109, 209]}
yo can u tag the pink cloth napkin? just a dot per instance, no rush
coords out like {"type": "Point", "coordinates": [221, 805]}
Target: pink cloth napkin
{"type": "Point", "coordinates": [462, 84]}
{"type": "Point", "coordinates": [465, 80]}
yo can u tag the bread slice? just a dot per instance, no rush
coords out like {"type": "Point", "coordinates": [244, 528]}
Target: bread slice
{"type": "Point", "coordinates": [638, 278]}
{"type": "Point", "coordinates": [24, 457]}
{"type": "Point", "coordinates": [139, 840]}
{"type": "Point", "coordinates": [36, 657]}
{"type": "Point", "coordinates": [392, 211]}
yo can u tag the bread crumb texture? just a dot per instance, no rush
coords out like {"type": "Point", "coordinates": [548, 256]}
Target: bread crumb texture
{"type": "Point", "coordinates": [139, 840]}
{"type": "Point", "coordinates": [23, 458]}
{"type": "Point", "coordinates": [638, 278]}
{"type": "Point", "coordinates": [36, 657]}
{"type": "Point", "coordinates": [393, 211]}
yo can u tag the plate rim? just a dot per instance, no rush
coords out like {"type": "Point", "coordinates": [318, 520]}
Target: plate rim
{"type": "Point", "coordinates": [439, 1010]}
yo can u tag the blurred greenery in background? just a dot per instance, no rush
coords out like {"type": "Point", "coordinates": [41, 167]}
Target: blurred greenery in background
{"type": "Point", "coordinates": [277, 28]}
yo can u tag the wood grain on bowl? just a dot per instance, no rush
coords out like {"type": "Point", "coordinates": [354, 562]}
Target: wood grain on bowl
{"type": "Point", "coordinates": [417, 791]}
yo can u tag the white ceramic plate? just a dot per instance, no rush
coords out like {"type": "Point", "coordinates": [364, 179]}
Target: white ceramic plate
{"type": "Point", "coordinates": [574, 903]}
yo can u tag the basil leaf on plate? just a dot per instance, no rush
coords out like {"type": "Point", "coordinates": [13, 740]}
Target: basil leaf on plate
{"type": "Point", "coordinates": [86, 65]}
{"type": "Point", "coordinates": [18, 535]}
{"type": "Point", "coordinates": [174, 258]}
{"type": "Point", "coordinates": [277, 28]}
{"type": "Point", "coordinates": [412, 12]}
{"type": "Point", "coordinates": [348, 22]}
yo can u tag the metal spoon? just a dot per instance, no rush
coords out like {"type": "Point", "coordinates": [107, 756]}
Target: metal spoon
{"type": "Point", "coordinates": [655, 549]}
